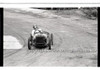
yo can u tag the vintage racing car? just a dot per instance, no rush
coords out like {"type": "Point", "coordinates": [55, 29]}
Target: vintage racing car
{"type": "Point", "coordinates": [40, 40]}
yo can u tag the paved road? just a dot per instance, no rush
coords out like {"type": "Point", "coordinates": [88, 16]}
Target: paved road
{"type": "Point", "coordinates": [75, 40]}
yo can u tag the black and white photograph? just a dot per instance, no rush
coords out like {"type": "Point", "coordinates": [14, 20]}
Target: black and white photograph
{"type": "Point", "coordinates": [50, 36]}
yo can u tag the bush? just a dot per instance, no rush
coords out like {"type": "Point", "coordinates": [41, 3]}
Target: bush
{"type": "Point", "coordinates": [90, 12]}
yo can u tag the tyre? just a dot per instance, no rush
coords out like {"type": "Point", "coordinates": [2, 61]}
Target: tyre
{"type": "Point", "coordinates": [29, 43]}
{"type": "Point", "coordinates": [50, 42]}
{"type": "Point", "coordinates": [49, 46]}
{"type": "Point", "coordinates": [51, 39]}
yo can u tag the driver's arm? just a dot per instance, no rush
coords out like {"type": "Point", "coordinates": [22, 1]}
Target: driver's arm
{"type": "Point", "coordinates": [32, 32]}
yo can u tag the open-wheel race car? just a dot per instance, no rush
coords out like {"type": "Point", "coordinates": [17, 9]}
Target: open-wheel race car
{"type": "Point", "coordinates": [40, 40]}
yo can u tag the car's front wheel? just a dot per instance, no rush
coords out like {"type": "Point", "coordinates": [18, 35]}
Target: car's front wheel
{"type": "Point", "coordinates": [29, 44]}
{"type": "Point", "coordinates": [49, 46]}
{"type": "Point", "coordinates": [51, 39]}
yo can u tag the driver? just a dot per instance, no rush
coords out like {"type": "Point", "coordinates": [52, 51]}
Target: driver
{"type": "Point", "coordinates": [36, 30]}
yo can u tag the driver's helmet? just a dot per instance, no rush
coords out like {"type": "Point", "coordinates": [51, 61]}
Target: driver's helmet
{"type": "Point", "coordinates": [35, 27]}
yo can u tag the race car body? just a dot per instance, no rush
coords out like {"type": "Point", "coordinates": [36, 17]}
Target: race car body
{"type": "Point", "coordinates": [40, 40]}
